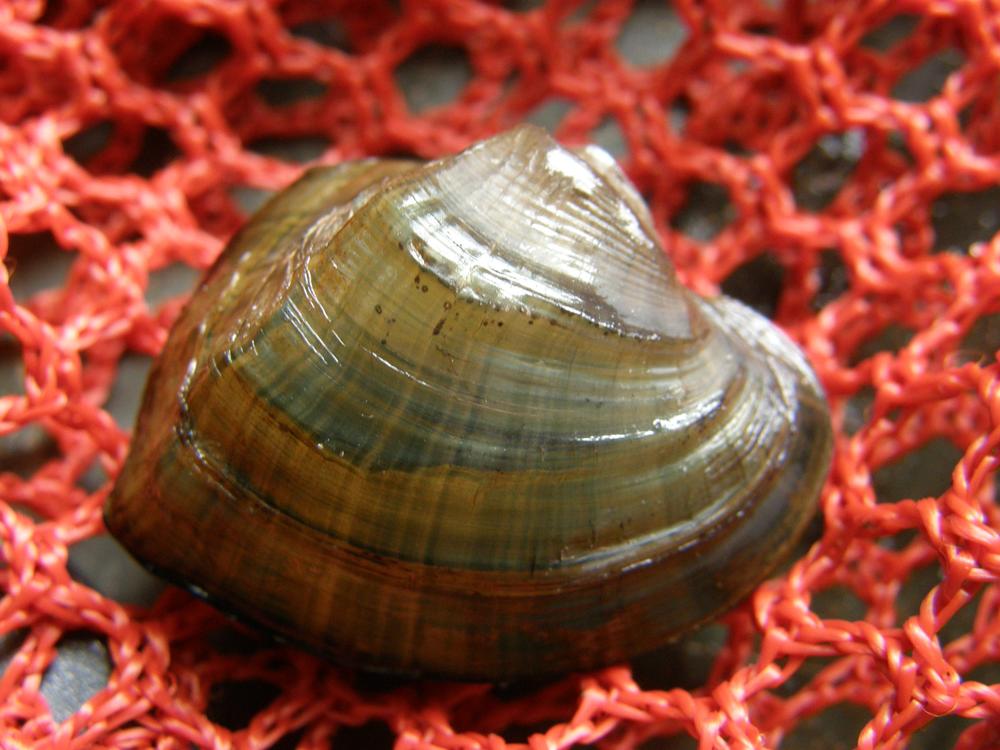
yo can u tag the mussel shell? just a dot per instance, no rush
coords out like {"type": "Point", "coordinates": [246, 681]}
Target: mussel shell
{"type": "Point", "coordinates": [459, 419]}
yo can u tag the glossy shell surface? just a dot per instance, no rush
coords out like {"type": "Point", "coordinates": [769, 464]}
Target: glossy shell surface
{"type": "Point", "coordinates": [459, 419]}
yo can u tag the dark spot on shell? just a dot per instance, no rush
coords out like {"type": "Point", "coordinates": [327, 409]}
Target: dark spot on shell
{"type": "Point", "coordinates": [499, 324]}
{"type": "Point", "coordinates": [423, 288]}
{"type": "Point", "coordinates": [378, 309]}
{"type": "Point", "coordinates": [437, 328]}
{"type": "Point", "coordinates": [447, 305]}
{"type": "Point", "coordinates": [383, 342]}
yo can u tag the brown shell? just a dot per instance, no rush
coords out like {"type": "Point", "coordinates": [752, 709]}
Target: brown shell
{"type": "Point", "coordinates": [460, 419]}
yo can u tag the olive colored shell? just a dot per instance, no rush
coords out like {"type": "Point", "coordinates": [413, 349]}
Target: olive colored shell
{"type": "Point", "coordinates": [460, 419]}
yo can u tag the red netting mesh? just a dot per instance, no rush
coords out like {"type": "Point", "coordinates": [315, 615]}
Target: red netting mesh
{"type": "Point", "coordinates": [758, 99]}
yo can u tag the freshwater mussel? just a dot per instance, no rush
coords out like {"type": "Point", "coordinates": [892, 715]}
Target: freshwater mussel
{"type": "Point", "coordinates": [460, 419]}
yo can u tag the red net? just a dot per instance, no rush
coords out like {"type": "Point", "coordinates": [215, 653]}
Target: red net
{"type": "Point", "coordinates": [841, 154]}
